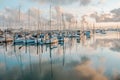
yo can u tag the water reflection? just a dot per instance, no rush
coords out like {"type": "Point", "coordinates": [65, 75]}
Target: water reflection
{"type": "Point", "coordinates": [96, 58]}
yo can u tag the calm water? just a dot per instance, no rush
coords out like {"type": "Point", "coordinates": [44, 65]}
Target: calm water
{"type": "Point", "coordinates": [96, 58]}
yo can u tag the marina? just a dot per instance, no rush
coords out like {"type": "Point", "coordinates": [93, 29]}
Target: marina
{"type": "Point", "coordinates": [59, 40]}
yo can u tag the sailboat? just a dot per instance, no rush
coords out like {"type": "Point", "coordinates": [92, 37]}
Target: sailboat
{"type": "Point", "coordinates": [40, 37]}
{"type": "Point", "coordinates": [29, 40]}
{"type": "Point", "coordinates": [103, 32]}
{"type": "Point", "coordinates": [2, 39]}
{"type": "Point", "coordinates": [87, 33]}
{"type": "Point", "coordinates": [60, 36]}
{"type": "Point", "coordinates": [51, 37]}
{"type": "Point", "coordinates": [18, 38]}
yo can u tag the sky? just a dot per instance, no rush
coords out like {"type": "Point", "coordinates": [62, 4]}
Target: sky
{"type": "Point", "coordinates": [98, 5]}
{"type": "Point", "coordinates": [81, 10]}
{"type": "Point", "coordinates": [95, 4]}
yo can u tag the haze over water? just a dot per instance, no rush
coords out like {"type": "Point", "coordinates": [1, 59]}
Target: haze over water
{"type": "Point", "coordinates": [96, 58]}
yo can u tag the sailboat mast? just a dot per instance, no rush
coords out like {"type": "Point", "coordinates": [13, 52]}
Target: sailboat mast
{"type": "Point", "coordinates": [38, 17]}
{"type": "Point", "coordinates": [5, 37]}
{"type": "Point", "coordinates": [63, 21]}
{"type": "Point", "coordinates": [19, 17]}
{"type": "Point", "coordinates": [50, 16]}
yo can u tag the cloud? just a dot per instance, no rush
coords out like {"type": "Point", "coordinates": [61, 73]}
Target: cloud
{"type": "Point", "coordinates": [116, 13]}
{"type": "Point", "coordinates": [34, 12]}
{"type": "Point", "coordinates": [59, 10]}
{"type": "Point", "coordinates": [85, 2]}
{"type": "Point", "coordinates": [64, 2]}
{"type": "Point", "coordinates": [102, 1]}
{"type": "Point", "coordinates": [105, 17]}
{"type": "Point", "coordinates": [56, 2]}
{"type": "Point", "coordinates": [68, 17]}
{"type": "Point", "coordinates": [84, 20]}
{"type": "Point", "coordinates": [112, 16]}
{"type": "Point", "coordinates": [14, 16]}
